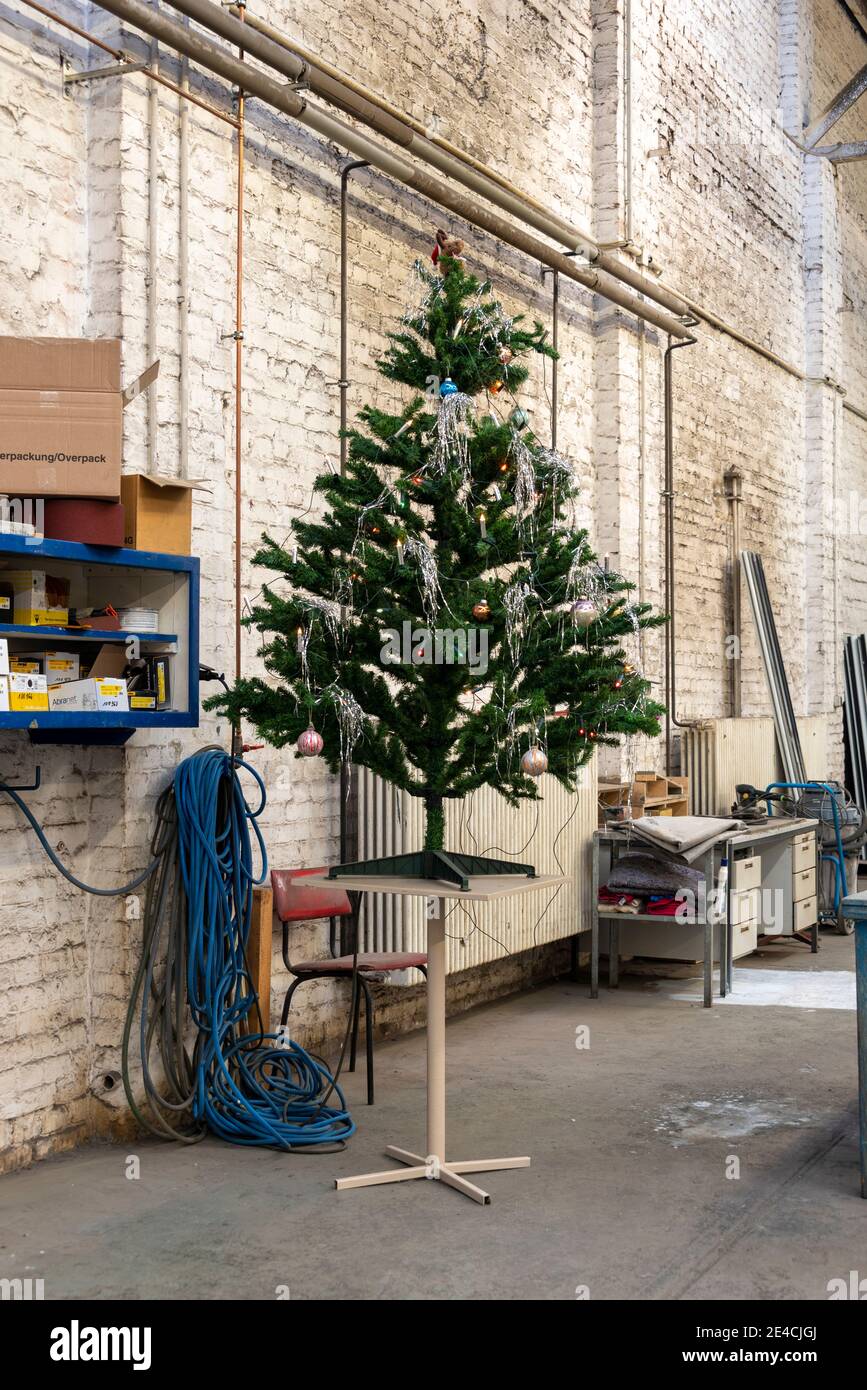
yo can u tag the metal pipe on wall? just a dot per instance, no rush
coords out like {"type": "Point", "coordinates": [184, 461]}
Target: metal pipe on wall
{"type": "Point", "coordinates": [343, 387]}
{"type": "Point", "coordinates": [628, 217]}
{"type": "Point", "coordinates": [285, 100]}
{"type": "Point", "coordinates": [121, 57]}
{"type": "Point", "coordinates": [239, 369]}
{"type": "Point", "coordinates": [733, 482]}
{"type": "Point", "coordinates": [274, 48]}
{"type": "Point", "coordinates": [184, 275]}
{"type": "Point", "coordinates": [153, 251]}
{"type": "Point", "coordinates": [669, 566]}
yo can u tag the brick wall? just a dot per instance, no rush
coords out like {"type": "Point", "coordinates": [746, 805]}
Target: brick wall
{"type": "Point", "coordinates": [721, 199]}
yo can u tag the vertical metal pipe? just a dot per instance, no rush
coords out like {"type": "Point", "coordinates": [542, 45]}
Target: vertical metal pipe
{"type": "Point", "coordinates": [642, 481]}
{"type": "Point", "coordinates": [733, 481]}
{"type": "Point", "coordinates": [555, 339]}
{"type": "Point", "coordinates": [628, 219]}
{"type": "Point", "coordinates": [343, 386]}
{"type": "Point", "coordinates": [343, 383]}
{"type": "Point", "coordinates": [670, 595]}
{"type": "Point", "coordinates": [239, 366]}
{"type": "Point", "coordinates": [184, 273]}
{"type": "Point", "coordinates": [153, 249]}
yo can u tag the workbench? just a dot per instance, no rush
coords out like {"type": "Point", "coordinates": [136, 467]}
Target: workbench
{"type": "Point", "coordinates": [772, 892]}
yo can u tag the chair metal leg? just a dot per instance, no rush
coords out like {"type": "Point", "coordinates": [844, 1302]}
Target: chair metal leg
{"type": "Point", "coordinates": [368, 1018]}
{"type": "Point", "coordinates": [356, 1014]}
{"type": "Point", "coordinates": [299, 980]}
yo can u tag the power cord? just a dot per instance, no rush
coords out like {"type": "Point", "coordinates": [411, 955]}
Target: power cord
{"type": "Point", "coordinates": [244, 1085]}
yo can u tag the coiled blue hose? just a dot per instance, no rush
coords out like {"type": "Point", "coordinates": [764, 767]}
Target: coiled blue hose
{"type": "Point", "coordinates": [246, 1091]}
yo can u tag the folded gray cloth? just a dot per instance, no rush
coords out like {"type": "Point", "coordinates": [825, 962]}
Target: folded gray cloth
{"type": "Point", "coordinates": [679, 834]}
{"type": "Point", "coordinates": [650, 874]}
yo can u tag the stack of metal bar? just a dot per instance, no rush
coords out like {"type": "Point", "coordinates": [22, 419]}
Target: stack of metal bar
{"type": "Point", "coordinates": [855, 666]}
{"type": "Point", "coordinates": [788, 738]}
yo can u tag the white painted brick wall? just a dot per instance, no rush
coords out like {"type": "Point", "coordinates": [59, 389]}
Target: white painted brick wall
{"type": "Point", "coordinates": [721, 200]}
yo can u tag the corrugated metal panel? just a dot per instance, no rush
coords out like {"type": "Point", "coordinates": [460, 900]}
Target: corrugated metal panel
{"type": "Point", "coordinates": [554, 834]}
{"type": "Point", "coordinates": [720, 753]}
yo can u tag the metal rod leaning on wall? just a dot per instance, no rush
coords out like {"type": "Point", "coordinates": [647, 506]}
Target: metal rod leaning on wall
{"type": "Point", "coordinates": [121, 57]}
{"type": "Point", "coordinates": [343, 387]}
{"type": "Point", "coordinates": [282, 98]}
{"type": "Point", "coordinates": [670, 586]}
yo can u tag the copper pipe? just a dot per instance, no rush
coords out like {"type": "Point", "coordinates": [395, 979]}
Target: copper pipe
{"type": "Point", "coordinates": [121, 57]}
{"type": "Point", "coordinates": [239, 345]}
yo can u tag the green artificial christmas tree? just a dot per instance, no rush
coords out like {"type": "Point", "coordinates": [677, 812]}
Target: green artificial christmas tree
{"type": "Point", "coordinates": [445, 624]}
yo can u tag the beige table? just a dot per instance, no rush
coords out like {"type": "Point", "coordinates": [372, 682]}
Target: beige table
{"type": "Point", "coordinates": [434, 1163]}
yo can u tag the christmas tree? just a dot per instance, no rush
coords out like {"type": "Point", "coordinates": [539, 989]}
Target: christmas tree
{"type": "Point", "coordinates": [445, 623]}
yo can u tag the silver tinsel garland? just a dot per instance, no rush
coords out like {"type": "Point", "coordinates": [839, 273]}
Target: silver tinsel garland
{"type": "Point", "coordinates": [452, 445]}
{"type": "Point", "coordinates": [525, 488]}
{"type": "Point", "coordinates": [516, 603]}
{"type": "Point", "coordinates": [350, 719]}
{"type": "Point", "coordinates": [419, 553]}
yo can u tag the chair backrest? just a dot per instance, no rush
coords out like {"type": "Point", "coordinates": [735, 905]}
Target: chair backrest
{"type": "Point", "coordinates": [295, 901]}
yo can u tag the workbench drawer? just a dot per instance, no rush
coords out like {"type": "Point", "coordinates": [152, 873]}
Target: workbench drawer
{"type": "Point", "coordinates": [804, 884]}
{"type": "Point", "coordinates": [803, 852]}
{"type": "Point", "coordinates": [804, 913]}
{"type": "Point", "coordinates": [745, 938]}
{"type": "Point", "coordinates": [747, 873]}
{"type": "Point", "coordinates": [744, 907]}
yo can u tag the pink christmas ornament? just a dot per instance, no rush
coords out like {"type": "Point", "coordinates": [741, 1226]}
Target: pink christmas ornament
{"type": "Point", "coordinates": [310, 743]}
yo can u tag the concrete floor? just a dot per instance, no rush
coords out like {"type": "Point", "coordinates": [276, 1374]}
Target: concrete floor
{"type": "Point", "coordinates": [628, 1194]}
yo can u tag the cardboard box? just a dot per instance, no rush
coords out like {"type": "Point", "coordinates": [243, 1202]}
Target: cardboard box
{"type": "Point", "coordinates": [61, 416]}
{"type": "Point", "coordinates": [140, 702]}
{"type": "Point", "coordinates": [4, 694]}
{"type": "Point", "coordinates": [4, 657]}
{"type": "Point", "coordinates": [59, 667]}
{"type": "Point", "coordinates": [110, 661]}
{"type": "Point", "coordinates": [27, 693]}
{"type": "Point", "coordinates": [41, 599]}
{"type": "Point", "coordinates": [26, 665]}
{"type": "Point", "coordinates": [89, 696]}
{"type": "Point", "coordinates": [158, 513]}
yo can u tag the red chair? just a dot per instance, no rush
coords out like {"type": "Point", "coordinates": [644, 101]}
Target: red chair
{"type": "Point", "coordinates": [295, 901]}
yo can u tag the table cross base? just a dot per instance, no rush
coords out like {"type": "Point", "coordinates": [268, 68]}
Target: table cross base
{"type": "Point", "coordinates": [436, 1170]}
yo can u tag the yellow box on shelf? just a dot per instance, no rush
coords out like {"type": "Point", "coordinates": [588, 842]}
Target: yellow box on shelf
{"type": "Point", "coordinates": [41, 599]}
{"type": "Point", "coordinates": [26, 693]}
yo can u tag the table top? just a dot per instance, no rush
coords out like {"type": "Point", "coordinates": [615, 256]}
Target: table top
{"type": "Point", "coordinates": [775, 828]}
{"type": "Point", "coordinates": [483, 887]}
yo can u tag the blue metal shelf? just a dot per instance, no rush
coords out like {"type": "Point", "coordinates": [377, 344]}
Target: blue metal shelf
{"type": "Point", "coordinates": [36, 634]}
{"type": "Point", "coordinates": [105, 727]}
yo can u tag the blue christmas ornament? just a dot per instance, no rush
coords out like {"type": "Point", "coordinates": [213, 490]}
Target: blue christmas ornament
{"type": "Point", "coordinates": [448, 388]}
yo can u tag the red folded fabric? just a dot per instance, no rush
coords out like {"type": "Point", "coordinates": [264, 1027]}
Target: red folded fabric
{"type": "Point", "coordinates": [664, 907]}
{"type": "Point", "coordinates": [619, 902]}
